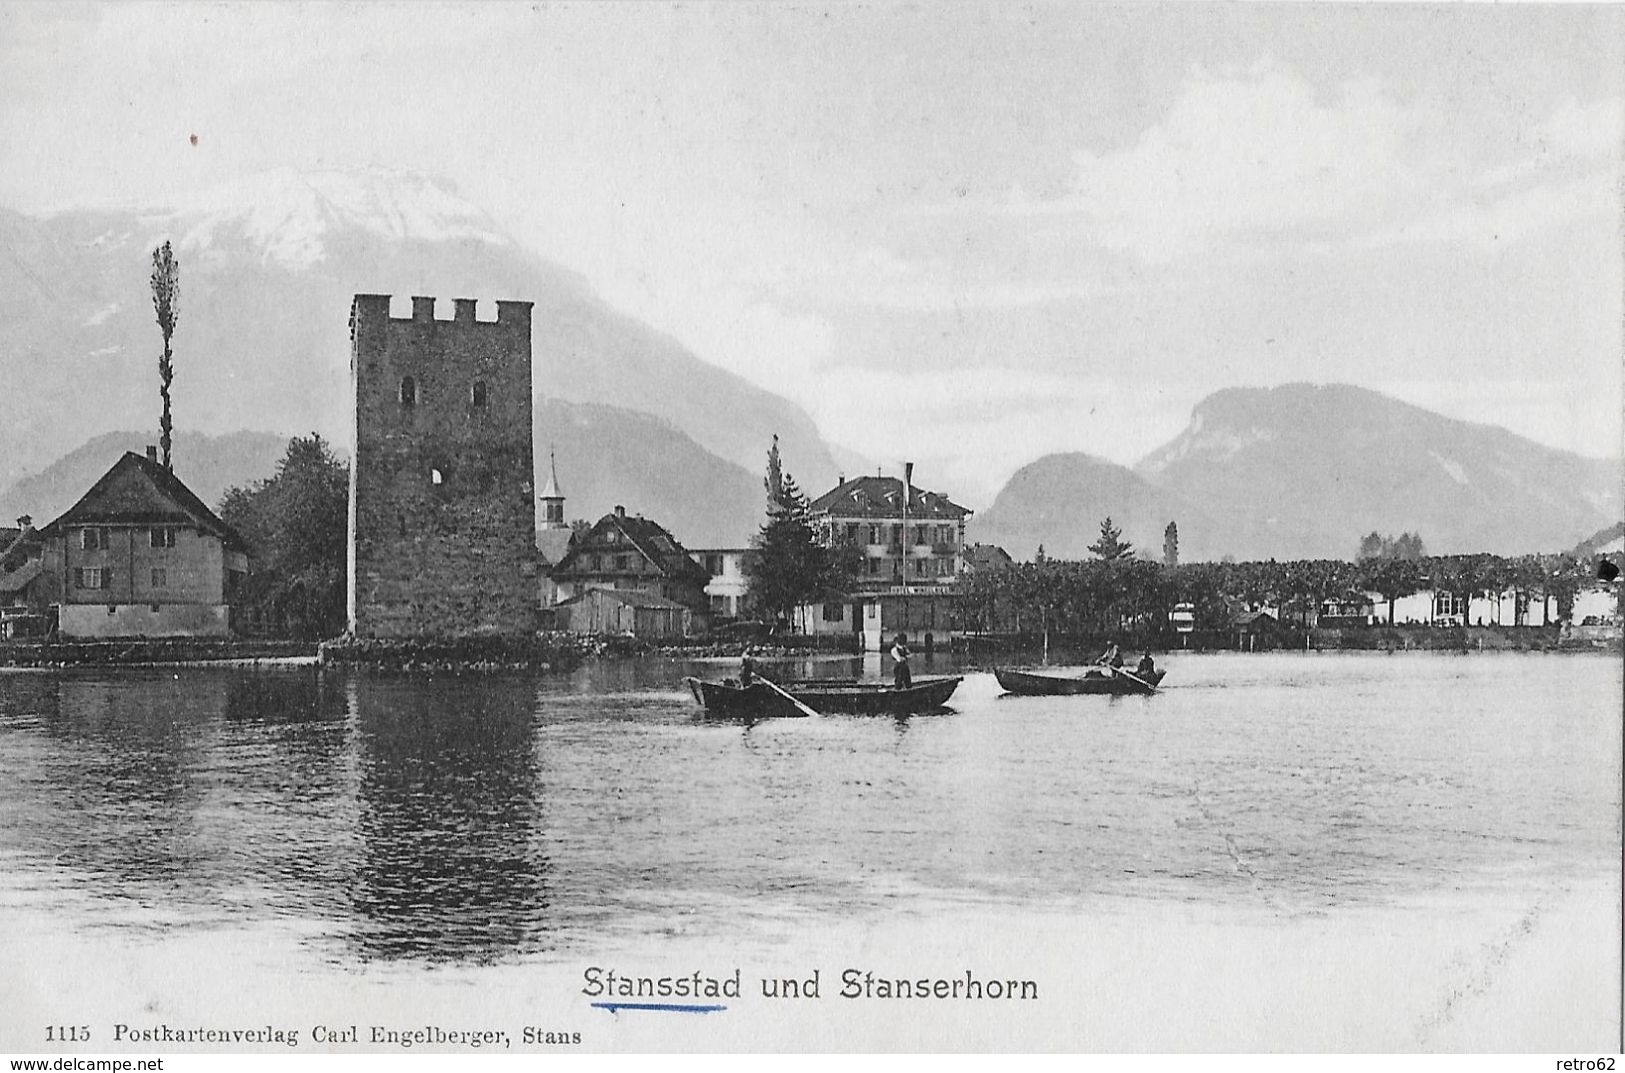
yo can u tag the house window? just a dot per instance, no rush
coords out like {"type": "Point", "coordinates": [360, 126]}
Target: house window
{"type": "Point", "coordinates": [93, 539]}
{"type": "Point", "coordinates": [613, 536]}
{"type": "Point", "coordinates": [871, 610]}
{"type": "Point", "coordinates": [919, 567]}
{"type": "Point", "coordinates": [874, 534]}
{"type": "Point", "coordinates": [160, 577]}
{"type": "Point", "coordinates": [945, 534]}
{"type": "Point", "coordinates": [620, 562]}
{"type": "Point", "coordinates": [409, 392]}
{"type": "Point", "coordinates": [834, 612]}
{"type": "Point", "coordinates": [874, 566]}
{"type": "Point", "coordinates": [852, 532]}
{"type": "Point", "coordinates": [1446, 603]}
{"type": "Point", "coordinates": [476, 394]}
{"type": "Point", "coordinates": [162, 537]}
{"type": "Point", "coordinates": [94, 577]}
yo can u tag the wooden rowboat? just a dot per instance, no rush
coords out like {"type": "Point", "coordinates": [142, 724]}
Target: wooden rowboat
{"type": "Point", "coordinates": [1095, 681]}
{"type": "Point", "coordinates": [845, 696]}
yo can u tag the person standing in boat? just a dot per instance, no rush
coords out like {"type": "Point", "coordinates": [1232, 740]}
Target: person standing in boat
{"type": "Point", "coordinates": [900, 676]}
{"type": "Point", "coordinates": [747, 668]}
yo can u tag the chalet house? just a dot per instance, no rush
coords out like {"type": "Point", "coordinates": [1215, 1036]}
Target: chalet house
{"type": "Point", "coordinates": [633, 554]}
{"type": "Point", "coordinates": [1256, 629]}
{"type": "Point", "coordinates": [140, 555]}
{"type": "Point", "coordinates": [24, 593]}
{"type": "Point", "coordinates": [985, 558]}
{"type": "Point", "coordinates": [912, 545]}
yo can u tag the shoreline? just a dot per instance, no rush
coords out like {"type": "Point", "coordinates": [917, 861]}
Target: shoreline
{"type": "Point", "coordinates": [563, 652]}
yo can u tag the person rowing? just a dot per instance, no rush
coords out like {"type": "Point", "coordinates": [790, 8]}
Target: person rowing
{"type": "Point", "coordinates": [1112, 658]}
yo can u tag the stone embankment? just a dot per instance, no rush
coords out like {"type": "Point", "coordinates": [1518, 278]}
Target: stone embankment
{"type": "Point", "coordinates": [152, 651]}
{"type": "Point", "coordinates": [541, 652]}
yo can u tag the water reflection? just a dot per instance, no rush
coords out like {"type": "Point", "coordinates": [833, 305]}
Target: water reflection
{"type": "Point", "coordinates": [450, 863]}
{"type": "Point", "coordinates": [376, 818]}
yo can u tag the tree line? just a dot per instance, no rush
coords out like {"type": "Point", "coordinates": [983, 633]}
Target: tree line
{"type": "Point", "coordinates": [1109, 595]}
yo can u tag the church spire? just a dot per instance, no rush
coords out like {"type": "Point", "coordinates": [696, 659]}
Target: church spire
{"type": "Point", "coordinates": [552, 499]}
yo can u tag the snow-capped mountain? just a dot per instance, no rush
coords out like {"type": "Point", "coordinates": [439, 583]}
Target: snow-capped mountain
{"type": "Point", "coordinates": [290, 216]}
{"type": "Point", "coordinates": [268, 269]}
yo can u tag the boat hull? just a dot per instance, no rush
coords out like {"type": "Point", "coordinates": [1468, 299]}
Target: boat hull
{"type": "Point", "coordinates": [846, 698]}
{"type": "Point", "coordinates": [1029, 684]}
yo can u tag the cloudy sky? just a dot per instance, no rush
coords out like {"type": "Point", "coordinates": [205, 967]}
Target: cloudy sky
{"type": "Point", "coordinates": [968, 235]}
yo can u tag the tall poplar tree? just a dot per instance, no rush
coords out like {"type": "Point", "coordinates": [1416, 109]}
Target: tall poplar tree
{"type": "Point", "coordinates": [166, 299]}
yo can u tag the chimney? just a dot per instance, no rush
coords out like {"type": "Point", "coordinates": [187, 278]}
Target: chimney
{"type": "Point", "coordinates": [620, 511]}
{"type": "Point", "coordinates": [152, 453]}
{"type": "Point", "coordinates": [25, 521]}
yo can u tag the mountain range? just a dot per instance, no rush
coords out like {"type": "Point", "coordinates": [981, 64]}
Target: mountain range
{"type": "Point", "coordinates": [268, 269]}
{"type": "Point", "coordinates": [1303, 471]}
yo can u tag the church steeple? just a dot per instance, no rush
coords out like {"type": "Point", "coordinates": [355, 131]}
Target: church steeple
{"type": "Point", "coordinates": [552, 498]}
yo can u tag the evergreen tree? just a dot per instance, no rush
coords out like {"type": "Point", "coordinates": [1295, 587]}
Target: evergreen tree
{"type": "Point", "coordinates": [1111, 546]}
{"type": "Point", "coordinates": [788, 566]}
{"type": "Point", "coordinates": [1170, 545]}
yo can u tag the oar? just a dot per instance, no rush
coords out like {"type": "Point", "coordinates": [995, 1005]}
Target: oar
{"type": "Point", "coordinates": [1135, 678]}
{"type": "Point", "coordinates": [774, 686]}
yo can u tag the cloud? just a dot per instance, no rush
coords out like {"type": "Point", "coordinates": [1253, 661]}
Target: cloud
{"type": "Point", "coordinates": [1260, 162]}
{"type": "Point", "coordinates": [977, 426]}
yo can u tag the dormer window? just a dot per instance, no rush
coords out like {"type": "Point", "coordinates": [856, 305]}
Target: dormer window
{"type": "Point", "coordinates": [476, 394]}
{"type": "Point", "coordinates": [409, 392]}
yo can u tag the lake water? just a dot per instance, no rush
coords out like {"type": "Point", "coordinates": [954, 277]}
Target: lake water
{"type": "Point", "coordinates": [369, 822]}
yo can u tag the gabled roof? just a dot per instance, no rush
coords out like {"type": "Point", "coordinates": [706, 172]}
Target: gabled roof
{"type": "Point", "coordinates": [987, 557]}
{"type": "Point", "coordinates": [553, 544]}
{"type": "Point", "coordinates": [139, 491]}
{"type": "Point", "coordinates": [648, 538]}
{"type": "Point", "coordinates": [882, 497]}
{"type": "Point", "coordinates": [18, 580]}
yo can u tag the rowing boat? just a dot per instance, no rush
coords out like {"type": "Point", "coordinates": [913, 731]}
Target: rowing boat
{"type": "Point", "coordinates": [845, 696]}
{"type": "Point", "coordinates": [1095, 681]}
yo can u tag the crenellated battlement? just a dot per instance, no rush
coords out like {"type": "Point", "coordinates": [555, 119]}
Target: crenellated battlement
{"type": "Point", "coordinates": [372, 308]}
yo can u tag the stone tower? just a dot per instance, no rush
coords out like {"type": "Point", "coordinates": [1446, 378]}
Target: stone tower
{"type": "Point", "coordinates": [442, 519]}
{"type": "Point", "coordinates": [552, 498]}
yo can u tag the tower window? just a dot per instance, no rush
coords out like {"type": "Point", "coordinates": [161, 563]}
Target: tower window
{"type": "Point", "coordinates": [409, 392]}
{"type": "Point", "coordinates": [476, 394]}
